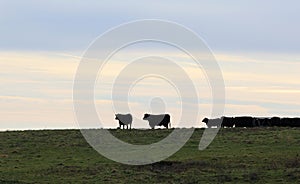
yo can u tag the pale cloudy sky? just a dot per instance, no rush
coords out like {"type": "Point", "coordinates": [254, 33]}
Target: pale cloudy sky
{"type": "Point", "coordinates": [41, 42]}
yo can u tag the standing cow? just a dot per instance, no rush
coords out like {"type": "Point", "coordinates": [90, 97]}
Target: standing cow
{"type": "Point", "coordinates": [158, 120]}
{"type": "Point", "coordinates": [124, 119]}
{"type": "Point", "coordinates": [275, 121]}
{"type": "Point", "coordinates": [213, 122]}
{"type": "Point", "coordinates": [227, 122]}
{"type": "Point", "coordinates": [244, 121]}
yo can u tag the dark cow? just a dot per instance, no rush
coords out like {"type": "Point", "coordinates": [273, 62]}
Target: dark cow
{"type": "Point", "coordinates": [227, 122]}
{"type": "Point", "coordinates": [245, 121]}
{"type": "Point", "coordinates": [275, 121]}
{"type": "Point", "coordinates": [262, 121]}
{"type": "Point", "coordinates": [158, 120]}
{"type": "Point", "coordinates": [285, 122]}
{"type": "Point", "coordinates": [124, 119]}
{"type": "Point", "coordinates": [212, 122]}
{"type": "Point", "coordinates": [296, 122]}
{"type": "Point", "coordinates": [290, 122]}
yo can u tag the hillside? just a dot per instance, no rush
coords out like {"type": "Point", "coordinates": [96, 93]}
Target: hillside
{"type": "Point", "coordinates": [237, 155]}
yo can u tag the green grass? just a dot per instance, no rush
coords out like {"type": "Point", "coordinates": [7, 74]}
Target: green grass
{"type": "Point", "coordinates": [260, 155]}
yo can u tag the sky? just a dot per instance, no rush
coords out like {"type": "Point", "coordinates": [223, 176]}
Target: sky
{"type": "Point", "coordinates": [256, 44]}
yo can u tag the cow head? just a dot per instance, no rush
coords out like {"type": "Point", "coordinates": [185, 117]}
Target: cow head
{"type": "Point", "coordinates": [205, 120]}
{"type": "Point", "coordinates": [116, 118]}
{"type": "Point", "coordinates": [146, 116]}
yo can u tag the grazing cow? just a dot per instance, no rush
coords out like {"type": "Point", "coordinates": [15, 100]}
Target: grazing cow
{"type": "Point", "coordinates": [285, 122]}
{"type": "Point", "coordinates": [227, 122]}
{"type": "Point", "coordinates": [290, 122]}
{"type": "Point", "coordinates": [124, 119]}
{"type": "Point", "coordinates": [296, 122]}
{"type": "Point", "coordinates": [212, 122]}
{"type": "Point", "coordinates": [275, 121]}
{"type": "Point", "coordinates": [244, 121]}
{"type": "Point", "coordinates": [158, 120]}
{"type": "Point", "coordinates": [263, 121]}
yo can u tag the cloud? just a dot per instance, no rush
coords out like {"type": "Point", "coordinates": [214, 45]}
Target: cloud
{"type": "Point", "coordinates": [36, 89]}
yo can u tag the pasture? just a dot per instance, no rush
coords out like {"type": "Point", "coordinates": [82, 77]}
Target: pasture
{"type": "Point", "coordinates": [237, 155]}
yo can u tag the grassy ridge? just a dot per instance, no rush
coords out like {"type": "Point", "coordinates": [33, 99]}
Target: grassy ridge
{"type": "Point", "coordinates": [236, 156]}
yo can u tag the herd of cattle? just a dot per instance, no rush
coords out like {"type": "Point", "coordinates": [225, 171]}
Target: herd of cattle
{"type": "Point", "coordinates": [246, 121]}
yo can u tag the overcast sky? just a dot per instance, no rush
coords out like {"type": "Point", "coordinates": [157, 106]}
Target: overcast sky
{"type": "Point", "coordinates": [256, 44]}
{"type": "Point", "coordinates": [254, 25]}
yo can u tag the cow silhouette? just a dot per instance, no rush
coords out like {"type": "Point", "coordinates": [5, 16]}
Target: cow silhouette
{"type": "Point", "coordinates": [158, 120]}
{"type": "Point", "coordinates": [212, 122]}
{"type": "Point", "coordinates": [244, 121]}
{"type": "Point", "coordinates": [227, 122]}
{"type": "Point", "coordinates": [124, 120]}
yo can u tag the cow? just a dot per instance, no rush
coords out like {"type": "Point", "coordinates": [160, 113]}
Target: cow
{"type": "Point", "coordinates": [290, 122]}
{"type": "Point", "coordinates": [260, 121]}
{"type": "Point", "coordinates": [244, 121]}
{"type": "Point", "coordinates": [275, 121]}
{"type": "Point", "coordinates": [212, 122]}
{"type": "Point", "coordinates": [124, 119]}
{"type": "Point", "coordinates": [296, 122]}
{"type": "Point", "coordinates": [227, 122]}
{"type": "Point", "coordinates": [285, 122]}
{"type": "Point", "coordinates": [158, 120]}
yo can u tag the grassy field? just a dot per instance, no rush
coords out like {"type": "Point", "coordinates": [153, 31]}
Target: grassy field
{"type": "Point", "coordinates": [236, 156]}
